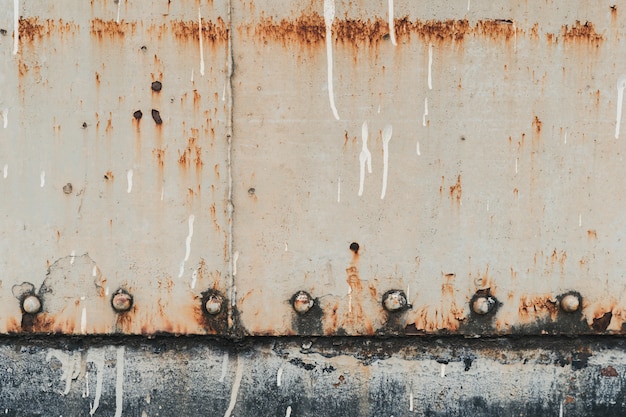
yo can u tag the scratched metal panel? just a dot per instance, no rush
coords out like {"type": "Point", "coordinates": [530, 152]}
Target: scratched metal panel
{"type": "Point", "coordinates": [113, 153]}
{"type": "Point", "coordinates": [496, 166]}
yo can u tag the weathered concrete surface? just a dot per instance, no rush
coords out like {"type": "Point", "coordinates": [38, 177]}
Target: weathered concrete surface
{"type": "Point", "coordinates": [312, 377]}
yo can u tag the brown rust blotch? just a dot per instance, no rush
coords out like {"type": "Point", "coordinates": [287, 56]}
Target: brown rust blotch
{"type": "Point", "coordinates": [211, 31]}
{"type": "Point", "coordinates": [32, 27]}
{"type": "Point", "coordinates": [495, 29]}
{"type": "Point", "coordinates": [592, 234]}
{"type": "Point", "coordinates": [111, 29]}
{"type": "Point", "coordinates": [306, 29]}
{"type": "Point", "coordinates": [579, 32]}
{"type": "Point", "coordinates": [537, 125]}
{"type": "Point", "coordinates": [456, 190]}
{"type": "Point", "coordinates": [601, 323]}
{"type": "Point", "coordinates": [160, 156]}
{"type": "Point", "coordinates": [609, 371]}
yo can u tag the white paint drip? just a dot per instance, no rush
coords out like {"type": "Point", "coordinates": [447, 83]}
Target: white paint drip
{"type": "Point", "coordinates": [425, 111]}
{"type": "Point", "coordinates": [224, 367]}
{"type": "Point", "coordinates": [233, 300]}
{"type": "Point", "coordinates": [516, 161]}
{"type": "Point", "coordinates": [119, 382]}
{"type": "Point", "coordinates": [580, 220]}
{"type": "Point", "coordinates": [70, 366]}
{"type": "Point", "coordinates": [411, 401]}
{"type": "Point", "coordinates": [379, 109]}
{"type": "Point", "coordinates": [94, 271]}
{"type": "Point", "coordinates": [96, 356]}
{"type": "Point", "coordinates": [286, 247]}
{"type": "Point", "coordinates": [106, 291]}
{"type": "Point", "coordinates": [514, 36]}
{"type": "Point", "coordinates": [191, 75]}
{"type": "Point", "coordinates": [408, 293]}
{"type": "Point", "coordinates": [200, 39]}
{"type": "Point", "coordinates": [329, 16]}
{"type": "Point", "coordinates": [386, 138]}
{"type": "Point", "coordinates": [224, 93]}
{"type": "Point", "coordinates": [72, 257]}
{"type": "Point", "coordinates": [83, 321]}
{"type": "Point", "coordinates": [561, 410]}
{"type": "Point", "coordinates": [187, 246]}
{"type": "Point", "coordinates": [5, 117]}
{"type": "Point", "coordinates": [42, 179]}
{"type": "Point", "coordinates": [392, 26]}
{"type": "Point", "coordinates": [418, 149]}
{"type": "Point", "coordinates": [235, 259]}
{"type": "Point", "coordinates": [279, 376]}
{"type": "Point", "coordinates": [621, 83]}
{"type": "Point", "coordinates": [339, 189]}
{"type": "Point", "coordinates": [5, 170]}
{"type": "Point", "coordinates": [468, 5]}
{"type": "Point", "coordinates": [288, 413]}
{"type": "Point", "coordinates": [430, 66]}
{"type": "Point", "coordinates": [162, 192]}
{"type": "Point", "coordinates": [194, 279]}
{"type": "Point", "coordinates": [119, 5]}
{"type": "Point", "coordinates": [443, 370]}
{"type": "Point", "coordinates": [129, 178]}
{"type": "Point", "coordinates": [86, 390]}
{"type": "Point", "coordinates": [235, 390]}
{"type": "Point", "coordinates": [364, 156]}
{"type": "Point", "coordinates": [16, 25]}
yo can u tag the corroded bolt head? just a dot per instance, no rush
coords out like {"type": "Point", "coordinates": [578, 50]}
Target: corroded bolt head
{"type": "Point", "coordinates": [483, 305]}
{"type": "Point", "coordinates": [213, 304]}
{"type": "Point", "coordinates": [121, 301]}
{"type": "Point", "coordinates": [67, 188]}
{"type": "Point", "coordinates": [302, 302]}
{"type": "Point", "coordinates": [395, 300]}
{"type": "Point", "coordinates": [31, 304]}
{"type": "Point", "coordinates": [570, 303]}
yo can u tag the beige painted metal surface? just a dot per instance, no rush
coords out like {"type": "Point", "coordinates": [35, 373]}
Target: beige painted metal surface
{"type": "Point", "coordinates": [492, 167]}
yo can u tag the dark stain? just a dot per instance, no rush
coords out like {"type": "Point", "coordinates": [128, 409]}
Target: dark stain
{"type": "Point", "coordinates": [309, 323]}
{"type": "Point", "coordinates": [3, 32]}
{"type": "Point", "coordinates": [301, 364]}
{"type": "Point", "coordinates": [468, 363]}
{"type": "Point", "coordinates": [156, 116]}
{"type": "Point", "coordinates": [138, 114]}
{"type": "Point", "coordinates": [600, 324]}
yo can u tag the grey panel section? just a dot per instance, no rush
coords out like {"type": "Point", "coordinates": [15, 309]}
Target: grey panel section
{"type": "Point", "coordinates": [312, 377]}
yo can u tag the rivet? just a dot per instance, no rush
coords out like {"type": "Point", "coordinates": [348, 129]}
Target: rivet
{"type": "Point", "coordinates": [31, 304]}
{"type": "Point", "coordinates": [156, 86]}
{"type": "Point", "coordinates": [302, 302]}
{"type": "Point", "coordinates": [570, 303]}
{"type": "Point", "coordinates": [354, 247]}
{"type": "Point", "coordinates": [137, 114]}
{"type": "Point", "coordinates": [121, 301]}
{"type": "Point", "coordinates": [483, 304]}
{"type": "Point", "coordinates": [213, 304]}
{"type": "Point", "coordinates": [67, 188]}
{"type": "Point", "coordinates": [156, 116]}
{"type": "Point", "coordinates": [395, 300]}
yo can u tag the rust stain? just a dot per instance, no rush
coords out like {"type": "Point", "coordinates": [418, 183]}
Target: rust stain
{"type": "Point", "coordinates": [108, 176]}
{"type": "Point", "coordinates": [32, 27]}
{"type": "Point", "coordinates": [581, 32]}
{"type": "Point", "coordinates": [569, 399]}
{"type": "Point", "coordinates": [592, 234]}
{"type": "Point", "coordinates": [111, 29]}
{"type": "Point", "coordinates": [185, 158]}
{"type": "Point", "coordinates": [530, 308]}
{"type": "Point", "coordinates": [601, 323]}
{"type": "Point", "coordinates": [211, 31]}
{"type": "Point", "coordinates": [160, 156]}
{"type": "Point", "coordinates": [456, 190]}
{"type": "Point", "coordinates": [537, 125]}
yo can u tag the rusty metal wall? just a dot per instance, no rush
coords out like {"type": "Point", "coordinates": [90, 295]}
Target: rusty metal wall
{"type": "Point", "coordinates": [237, 158]}
{"type": "Point", "coordinates": [254, 170]}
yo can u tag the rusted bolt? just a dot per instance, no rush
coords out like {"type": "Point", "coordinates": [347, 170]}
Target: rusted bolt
{"type": "Point", "coordinates": [213, 304]}
{"type": "Point", "coordinates": [395, 300]}
{"type": "Point", "coordinates": [138, 114]}
{"type": "Point", "coordinates": [84, 125]}
{"type": "Point", "coordinates": [302, 302]}
{"type": "Point", "coordinates": [121, 301]}
{"type": "Point", "coordinates": [156, 86]}
{"type": "Point", "coordinates": [3, 32]}
{"type": "Point", "coordinates": [570, 303]}
{"type": "Point", "coordinates": [67, 188]}
{"type": "Point", "coordinates": [31, 304]}
{"type": "Point", "coordinates": [483, 304]}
